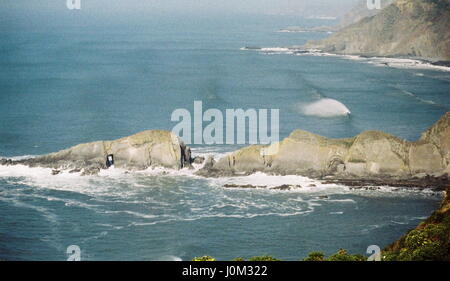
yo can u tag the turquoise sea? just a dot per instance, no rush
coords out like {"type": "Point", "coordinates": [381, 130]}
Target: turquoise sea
{"type": "Point", "coordinates": [62, 86]}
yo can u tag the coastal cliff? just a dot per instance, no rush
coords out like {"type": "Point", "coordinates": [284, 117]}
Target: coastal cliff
{"type": "Point", "coordinates": [407, 28]}
{"type": "Point", "coordinates": [369, 155]}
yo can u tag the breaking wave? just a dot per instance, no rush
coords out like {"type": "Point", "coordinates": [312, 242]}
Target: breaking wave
{"type": "Point", "coordinates": [325, 107]}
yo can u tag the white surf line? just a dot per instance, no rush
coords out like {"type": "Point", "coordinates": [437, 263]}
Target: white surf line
{"type": "Point", "coordinates": [401, 63]}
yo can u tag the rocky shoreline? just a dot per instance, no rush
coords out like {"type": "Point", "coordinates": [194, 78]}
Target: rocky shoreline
{"type": "Point", "coordinates": [415, 29]}
{"type": "Point", "coordinates": [153, 148]}
{"type": "Point", "coordinates": [427, 182]}
{"type": "Point", "coordinates": [371, 158]}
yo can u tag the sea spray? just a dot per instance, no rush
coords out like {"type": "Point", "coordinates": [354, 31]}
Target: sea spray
{"type": "Point", "coordinates": [325, 108]}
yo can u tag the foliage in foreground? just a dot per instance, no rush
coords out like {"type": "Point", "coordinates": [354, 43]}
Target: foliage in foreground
{"type": "Point", "coordinates": [429, 242]}
{"type": "Point", "coordinates": [341, 255]}
{"type": "Point", "coordinates": [204, 258]}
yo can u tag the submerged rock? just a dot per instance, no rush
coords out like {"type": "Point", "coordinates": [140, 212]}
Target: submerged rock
{"type": "Point", "coordinates": [199, 160]}
{"type": "Point", "coordinates": [250, 186]}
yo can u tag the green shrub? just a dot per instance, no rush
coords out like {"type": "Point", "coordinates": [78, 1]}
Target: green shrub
{"type": "Point", "coordinates": [343, 255]}
{"type": "Point", "coordinates": [204, 258]}
{"type": "Point", "coordinates": [427, 244]}
{"type": "Point", "coordinates": [315, 256]}
{"type": "Point", "coordinates": [263, 258]}
{"type": "Point", "coordinates": [430, 243]}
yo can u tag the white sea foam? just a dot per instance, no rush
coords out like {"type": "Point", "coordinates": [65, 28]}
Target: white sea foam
{"type": "Point", "coordinates": [342, 201]}
{"type": "Point", "coordinates": [402, 63]}
{"type": "Point", "coordinates": [216, 152]}
{"type": "Point", "coordinates": [22, 157]}
{"type": "Point", "coordinates": [405, 63]}
{"type": "Point", "coordinates": [265, 181]}
{"type": "Point", "coordinates": [325, 108]}
{"type": "Point", "coordinates": [170, 258]}
{"type": "Point", "coordinates": [112, 183]}
{"type": "Point", "coordinates": [407, 93]}
{"type": "Point", "coordinates": [292, 31]}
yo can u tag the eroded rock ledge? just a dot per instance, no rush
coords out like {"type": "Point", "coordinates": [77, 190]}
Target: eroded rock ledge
{"type": "Point", "coordinates": [140, 151]}
{"type": "Point", "coordinates": [371, 156]}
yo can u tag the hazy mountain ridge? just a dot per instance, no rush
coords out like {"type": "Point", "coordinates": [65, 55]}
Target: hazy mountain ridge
{"type": "Point", "coordinates": [407, 28]}
{"type": "Point", "coordinates": [361, 11]}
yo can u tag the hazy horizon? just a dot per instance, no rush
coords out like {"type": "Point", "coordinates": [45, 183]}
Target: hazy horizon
{"type": "Point", "coordinates": [54, 12]}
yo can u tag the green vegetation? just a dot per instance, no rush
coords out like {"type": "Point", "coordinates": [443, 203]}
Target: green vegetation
{"type": "Point", "coordinates": [204, 258]}
{"type": "Point", "coordinates": [341, 255]}
{"type": "Point", "coordinates": [263, 258]}
{"type": "Point", "coordinates": [315, 256]}
{"type": "Point", "coordinates": [429, 242]}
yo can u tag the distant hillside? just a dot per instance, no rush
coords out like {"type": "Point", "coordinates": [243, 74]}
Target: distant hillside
{"type": "Point", "coordinates": [361, 11]}
{"type": "Point", "coordinates": [407, 28]}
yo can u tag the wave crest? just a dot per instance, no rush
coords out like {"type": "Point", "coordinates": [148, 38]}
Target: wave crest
{"type": "Point", "coordinates": [325, 108]}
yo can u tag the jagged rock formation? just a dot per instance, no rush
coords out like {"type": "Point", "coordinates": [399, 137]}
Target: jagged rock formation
{"type": "Point", "coordinates": [371, 154]}
{"type": "Point", "coordinates": [139, 151]}
{"type": "Point", "coordinates": [407, 28]}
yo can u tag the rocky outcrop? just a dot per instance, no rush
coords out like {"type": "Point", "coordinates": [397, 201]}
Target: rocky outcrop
{"type": "Point", "coordinates": [407, 28]}
{"type": "Point", "coordinates": [139, 151]}
{"type": "Point", "coordinates": [371, 154]}
{"type": "Point", "coordinates": [438, 136]}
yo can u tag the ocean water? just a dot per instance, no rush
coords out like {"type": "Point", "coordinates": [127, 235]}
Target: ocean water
{"type": "Point", "coordinates": [64, 86]}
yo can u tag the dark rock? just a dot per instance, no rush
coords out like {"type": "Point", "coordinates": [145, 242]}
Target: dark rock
{"type": "Point", "coordinates": [286, 187]}
{"type": "Point", "coordinates": [75, 171]}
{"type": "Point", "coordinates": [436, 183]}
{"type": "Point", "coordinates": [199, 160]}
{"type": "Point", "coordinates": [241, 186]}
{"type": "Point", "coordinates": [89, 171]}
{"type": "Point", "coordinates": [55, 172]}
{"type": "Point", "coordinates": [186, 156]}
